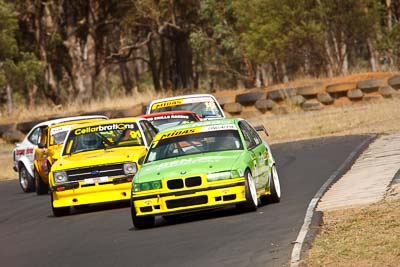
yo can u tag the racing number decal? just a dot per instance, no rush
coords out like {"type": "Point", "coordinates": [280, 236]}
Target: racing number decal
{"type": "Point", "coordinates": [135, 134]}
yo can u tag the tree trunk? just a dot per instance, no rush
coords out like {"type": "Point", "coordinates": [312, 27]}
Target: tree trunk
{"type": "Point", "coordinates": [390, 27]}
{"type": "Point", "coordinates": [285, 77]}
{"type": "Point", "coordinates": [249, 82]}
{"type": "Point", "coordinates": [126, 78]}
{"type": "Point", "coordinates": [31, 93]}
{"type": "Point", "coordinates": [183, 58]}
{"type": "Point", "coordinates": [372, 55]}
{"type": "Point", "coordinates": [258, 82]}
{"type": "Point", "coordinates": [266, 74]}
{"type": "Point", "coordinates": [82, 51]}
{"type": "Point", "coordinates": [9, 100]}
{"type": "Point", "coordinates": [344, 62]}
{"type": "Point", "coordinates": [153, 66]}
{"type": "Point", "coordinates": [164, 65]}
{"type": "Point", "coordinates": [43, 25]}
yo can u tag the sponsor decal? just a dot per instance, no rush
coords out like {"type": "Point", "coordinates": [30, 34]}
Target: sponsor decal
{"type": "Point", "coordinates": [60, 129]}
{"type": "Point", "coordinates": [20, 152]}
{"type": "Point", "coordinates": [179, 133]}
{"type": "Point", "coordinates": [189, 131]}
{"type": "Point", "coordinates": [107, 127]}
{"type": "Point", "coordinates": [169, 103]}
{"type": "Point", "coordinates": [219, 127]}
{"type": "Point", "coordinates": [199, 100]}
{"type": "Point", "coordinates": [167, 117]}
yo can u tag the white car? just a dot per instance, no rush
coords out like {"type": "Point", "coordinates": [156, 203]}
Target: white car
{"type": "Point", "coordinates": [205, 105]}
{"type": "Point", "coordinates": [24, 152]}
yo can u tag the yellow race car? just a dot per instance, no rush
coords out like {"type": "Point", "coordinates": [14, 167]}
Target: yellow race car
{"type": "Point", "coordinates": [98, 162]}
{"type": "Point", "coordinates": [51, 139]}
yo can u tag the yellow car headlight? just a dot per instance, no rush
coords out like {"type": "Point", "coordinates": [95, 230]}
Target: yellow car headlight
{"type": "Point", "coordinates": [60, 177]}
{"type": "Point", "coordinates": [130, 168]}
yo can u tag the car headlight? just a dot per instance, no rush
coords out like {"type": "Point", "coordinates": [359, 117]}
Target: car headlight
{"type": "Point", "coordinates": [137, 187]}
{"type": "Point", "coordinates": [60, 177]}
{"type": "Point", "coordinates": [215, 176]}
{"type": "Point", "coordinates": [130, 168]}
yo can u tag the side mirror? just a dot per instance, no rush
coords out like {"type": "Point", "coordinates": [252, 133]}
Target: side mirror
{"type": "Point", "coordinates": [41, 145]}
{"type": "Point", "coordinates": [261, 128]}
{"type": "Point", "coordinates": [141, 160]}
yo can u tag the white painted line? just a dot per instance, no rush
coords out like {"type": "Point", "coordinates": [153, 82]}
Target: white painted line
{"type": "Point", "coordinates": [296, 252]}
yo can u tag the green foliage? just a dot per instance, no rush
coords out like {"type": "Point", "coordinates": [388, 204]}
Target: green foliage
{"type": "Point", "coordinates": [222, 41]}
{"type": "Point", "coordinates": [277, 29]}
{"type": "Point", "coordinates": [24, 73]}
{"type": "Point", "coordinates": [8, 26]}
{"type": "Point", "coordinates": [20, 70]}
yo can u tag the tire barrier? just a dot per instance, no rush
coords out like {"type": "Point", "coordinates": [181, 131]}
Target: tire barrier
{"type": "Point", "coordinates": [281, 94]}
{"type": "Point", "coordinates": [341, 87]}
{"type": "Point", "coordinates": [325, 98]}
{"type": "Point", "coordinates": [248, 99]}
{"type": "Point", "coordinates": [394, 81]}
{"type": "Point", "coordinates": [355, 94]}
{"type": "Point", "coordinates": [371, 85]}
{"type": "Point", "coordinates": [277, 101]}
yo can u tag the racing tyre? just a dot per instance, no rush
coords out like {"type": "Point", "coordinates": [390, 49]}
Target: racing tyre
{"type": "Point", "coordinates": [26, 180]}
{"type": "Point", "coordinates": [275, 188]}
{"type": "Point", "coordinates": [141, 222]}
{"type": "Point", "coordinates": [251, 194]}
{"type": "Point", "coordinates": [41, 187]}
{"type": "Point", "coordinates": [59, 212]}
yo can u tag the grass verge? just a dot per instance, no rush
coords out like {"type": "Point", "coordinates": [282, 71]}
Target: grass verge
{"type": "Point", "coordinates": [380, 117]}
{"type": "Point", "coordinates": [6, 162]}
{"type": "Point", "coordinates": [359, 237]}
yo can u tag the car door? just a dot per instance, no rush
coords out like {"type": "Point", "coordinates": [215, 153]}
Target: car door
{"type": "Point", "coordinates": [41, 153]}
{"type": "Point", "coordinates": [263, 156]}
{"type": "Point", "coordinates": [255, 149]}
{"type": "Point", "coordinates": [27, 149]}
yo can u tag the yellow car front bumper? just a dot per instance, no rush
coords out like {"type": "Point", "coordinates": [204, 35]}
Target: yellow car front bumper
{"type": "Point", "coordinates": [178, 201]}
{"type": "Point", "coordinates": [80, 194]}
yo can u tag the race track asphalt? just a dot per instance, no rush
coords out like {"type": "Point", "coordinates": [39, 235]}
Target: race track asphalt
{"type": "Point", "coordinates": [103, 235]}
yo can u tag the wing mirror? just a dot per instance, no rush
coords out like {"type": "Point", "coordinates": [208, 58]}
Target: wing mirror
{"type": "Point", "coordinates": [261, 128]}
{"type": "Point", "coordinates": [141, 160]}
{"type": "Point", "coordinates": [41, 145]}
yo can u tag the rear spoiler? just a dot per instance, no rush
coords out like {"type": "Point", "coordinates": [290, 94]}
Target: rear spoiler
{"type": "Point", "coordinates": [261, 128]}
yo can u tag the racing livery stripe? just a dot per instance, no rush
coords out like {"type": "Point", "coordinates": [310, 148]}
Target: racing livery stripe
{"type": "Point", "coordinates": [187, 192]}
{"type": "Point", "coordinates": [165, 104]}
{"type": "Point", "coordinates": [194, 130]}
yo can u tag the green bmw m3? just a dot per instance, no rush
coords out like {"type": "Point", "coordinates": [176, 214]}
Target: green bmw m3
{"type": "Point", "coordinates": [204, 165]}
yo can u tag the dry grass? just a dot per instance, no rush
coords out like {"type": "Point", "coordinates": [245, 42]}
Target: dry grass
{"type": "Point", "coordinates": [359, 237]}
{"type": "Point", "coordinates": [22, 113]}
{"type": "Point", "coordinates": [6, 162]}
{"type": "Point", "coordinates": [380, 117]}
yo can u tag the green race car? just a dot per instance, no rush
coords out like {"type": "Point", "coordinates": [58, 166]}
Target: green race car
{"type": "Point", "coordinates": [204, 165]}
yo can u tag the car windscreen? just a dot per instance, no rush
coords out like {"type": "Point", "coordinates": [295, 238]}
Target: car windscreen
{"type": "Point", "coordinates": [103, 137]}
{"type": "Point", "coordinates": [207, 109]}
{"type": "Point", "coordinates": [194, 143]}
